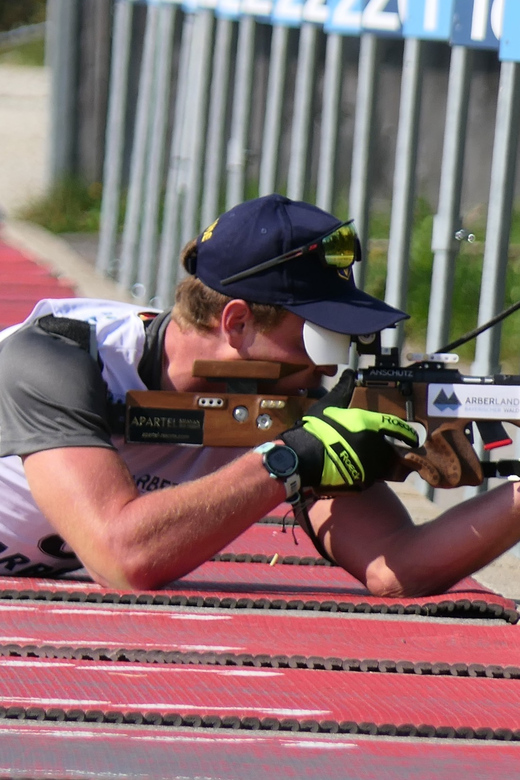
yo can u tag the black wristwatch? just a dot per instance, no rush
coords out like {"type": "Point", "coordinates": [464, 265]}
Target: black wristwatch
{"type": "Point", "coordinates": [282, 463]}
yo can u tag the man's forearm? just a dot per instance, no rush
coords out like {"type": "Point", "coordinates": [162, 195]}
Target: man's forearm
{"type": "Point", "coordinates": [179, 528]}
{"type": "Point", "coordinates": [125, 539]}
{"type": "Point", "coordinates": [371, 535]}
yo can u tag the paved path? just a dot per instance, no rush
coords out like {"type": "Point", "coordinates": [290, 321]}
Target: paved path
{"type": "Point", "coordinates": [24, 129]}
{"type": "Point", "coordinates": [25, 277]}
{"type": "Point", "coordinates": [33, 263]}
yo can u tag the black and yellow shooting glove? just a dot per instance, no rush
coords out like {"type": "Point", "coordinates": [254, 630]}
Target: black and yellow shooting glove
{"type": "Point", "coordinates": [342, 449]}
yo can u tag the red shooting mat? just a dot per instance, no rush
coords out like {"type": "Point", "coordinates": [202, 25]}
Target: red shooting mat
{"type": "Point", "coordinates": [256, 579]}
{"type": "Point", "coordinates": [305, 582]}
{"type": "Point", "coordinates": [9, 254]}
{"type": "Point", "coordinates": [31, 293]}
{"type": "Point", "coordinates": [439, 701]}
{"type": "Point", "coordinates": [26, 272]}
{"type": "Point", "coordinates": [268, 539]}
{"type": "Point", "coordinates": [24, 282]}
{"type": "Point", "coordinates": [86, 752]}
{"type": "Point", "coordinates": [278, 586]}
{"type": "Point", "coordinates": [310, 582]}
{"type": "Point", "coordinates": [307, 634]}
{"type": "Point", "coordinates": [14, 311]}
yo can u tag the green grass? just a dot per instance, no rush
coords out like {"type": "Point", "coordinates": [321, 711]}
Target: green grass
{"type": "Point", "coordinates": [69, 207]}
{"type": "Point", "coordinates": [467, 281]}
{"type": "Point", "coordinates": [28, 54]}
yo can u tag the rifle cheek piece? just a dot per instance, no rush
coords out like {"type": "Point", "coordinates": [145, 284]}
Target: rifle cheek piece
{"type": "Point", "coordinates": [325, 347]}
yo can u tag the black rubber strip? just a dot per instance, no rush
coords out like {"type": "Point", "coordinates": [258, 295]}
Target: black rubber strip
{"type": "Point", "coordinates": [288, 560]}
{"type": "Point", "coordinates": [263, 661]}
{"type": "Point", "coordinates": [460, 608]}
{"type": "Point", "coordinates": [276, 520]}
{"type": "Point", "coordinates": [232, 722]}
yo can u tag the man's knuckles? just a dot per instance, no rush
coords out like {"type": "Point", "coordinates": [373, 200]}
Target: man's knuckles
{"type": "Point", "coordinates": [357, 420]}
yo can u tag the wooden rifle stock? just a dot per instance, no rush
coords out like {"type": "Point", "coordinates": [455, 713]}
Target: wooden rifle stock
{"type": "Point", "coordinates": [239, 416]}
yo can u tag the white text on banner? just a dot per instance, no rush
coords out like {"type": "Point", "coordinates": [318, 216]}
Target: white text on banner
{"type": "Point", "coordinates": [477, 23]}
{"type": "Point", "coordinates": [429, 20]}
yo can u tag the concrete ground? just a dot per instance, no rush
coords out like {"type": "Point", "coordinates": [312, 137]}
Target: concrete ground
{"type": "Point", "coordinates": [24, 133]}
{"type": "Point", "coordinates": [24, 128]}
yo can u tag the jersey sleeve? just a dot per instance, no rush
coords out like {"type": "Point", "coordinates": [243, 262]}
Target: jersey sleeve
{"type": "Point", "coordinates": [52, 394]}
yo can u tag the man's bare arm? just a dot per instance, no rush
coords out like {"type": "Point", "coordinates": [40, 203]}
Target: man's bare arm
{"type": "Point", "coordinates": [127, 540]}
{"type": "Point", "coordinates": [371, 535]}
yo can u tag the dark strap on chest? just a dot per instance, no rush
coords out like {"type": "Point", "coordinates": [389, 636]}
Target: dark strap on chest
{"type": "Point", "coordinates": [79, 331]}
{"type": "Point", "coordinates": [84, 335]}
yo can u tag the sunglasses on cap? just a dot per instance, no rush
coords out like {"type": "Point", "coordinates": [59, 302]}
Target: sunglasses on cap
{"type": "Point", "coordinates": [338, 249]}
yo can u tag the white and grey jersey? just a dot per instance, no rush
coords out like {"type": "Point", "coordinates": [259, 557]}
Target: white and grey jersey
{"type": "Point", "coordinates": [54, 393]}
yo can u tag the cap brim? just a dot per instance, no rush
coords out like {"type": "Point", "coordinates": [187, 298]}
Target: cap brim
{"type": "Point", "coordinates": [359, 315]}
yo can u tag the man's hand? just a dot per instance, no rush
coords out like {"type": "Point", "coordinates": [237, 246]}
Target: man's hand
{"type": "Point", "coordinates": [341, 448]}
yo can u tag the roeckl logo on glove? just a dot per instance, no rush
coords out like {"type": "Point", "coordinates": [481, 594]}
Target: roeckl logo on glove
{"type": "Point", "coordinates": [397, 423]}
{"type": "Point", "coordinates": [347, 461]}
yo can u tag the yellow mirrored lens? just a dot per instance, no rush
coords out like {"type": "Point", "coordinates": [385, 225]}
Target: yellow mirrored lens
{"type": "Point", "coordinates": [340, 247]}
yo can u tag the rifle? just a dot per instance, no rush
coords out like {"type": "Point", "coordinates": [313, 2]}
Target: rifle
{"type": "Point", "coordinates": [448, 405]}
{"type": "Point", "coordinates": [441, 399]}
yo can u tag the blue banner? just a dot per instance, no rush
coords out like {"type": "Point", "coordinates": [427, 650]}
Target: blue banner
{"type": "Point", "coordinates": [293, 12]}
{"type": "Point", "coordinates": [261, 9]}
{"type": "Point", "coordinates": [384, 17]}
{"type": "Point", "coordinates": [345, 17]}
{"type": "Point", "coordinates": [228, 9]}
{"type": "Point", "coordinates": [510, 40]}
{"type": "Point", "coordinates": [287, 12]}
{"type": "Point", "coordinates": [477, 23]}
{"type": "Point", "coordinates": [472, 23]}
{"type": "Point", "coordinates": [429, 20]}
{"type": "Point", "coordinates": [354, 17]}
{"type": "Point", "coordinates": [316, 11]}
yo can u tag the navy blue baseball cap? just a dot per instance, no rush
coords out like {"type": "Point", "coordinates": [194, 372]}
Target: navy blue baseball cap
{"type": "Point", "coordinates": [268, 228]}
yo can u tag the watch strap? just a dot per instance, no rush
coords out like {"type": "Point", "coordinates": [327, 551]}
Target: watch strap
{"type": "Point", "coordinates": [292, 485]}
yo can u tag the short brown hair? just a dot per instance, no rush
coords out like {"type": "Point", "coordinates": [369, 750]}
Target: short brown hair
{"type": "Point", "coordinates": [198, 306]}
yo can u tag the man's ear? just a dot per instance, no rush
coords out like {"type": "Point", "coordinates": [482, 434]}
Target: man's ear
{"type": "Point", "coordinates": [236, 323]}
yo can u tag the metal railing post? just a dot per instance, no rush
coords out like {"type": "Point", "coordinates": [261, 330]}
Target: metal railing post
{"type": "Point", "coordinates": [115, 136]}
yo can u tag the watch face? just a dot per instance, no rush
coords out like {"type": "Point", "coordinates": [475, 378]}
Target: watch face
{"type": "Point", "coordinates": [282, 461]}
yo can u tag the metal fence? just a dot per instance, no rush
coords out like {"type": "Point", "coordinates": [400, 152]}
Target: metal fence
{"type": "Point", "coordinates": [239, 98]}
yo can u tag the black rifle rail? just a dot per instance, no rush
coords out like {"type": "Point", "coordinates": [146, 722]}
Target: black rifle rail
{"type": "Point", "coordinates": [453, 608]}
{"type": "Point", "coordinates": [259, 661]}
{"type": "Point", "coordinates": [269, 724]}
